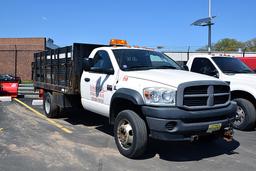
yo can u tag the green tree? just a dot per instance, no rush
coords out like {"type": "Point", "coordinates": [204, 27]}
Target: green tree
{"type": "Point", "coordinates": [250, 45]}
{"type": "Point", "coordinates": [228, 45]}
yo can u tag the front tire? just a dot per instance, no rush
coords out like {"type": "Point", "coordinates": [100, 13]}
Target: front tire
{"type": "Point", "coordinates": [245, 115]}
{"type": "Point", "coordinates": [51, 110]}
{"type": "Point", "coordinates": [130, 133]}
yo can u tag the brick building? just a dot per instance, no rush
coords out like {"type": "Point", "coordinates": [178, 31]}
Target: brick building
{"type": "Point", "coordinates": [16, 55]}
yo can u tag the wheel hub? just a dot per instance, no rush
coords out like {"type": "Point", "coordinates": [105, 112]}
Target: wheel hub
{"type": "Point", "coordinates": [240, 116]}
{"type": "Point", "coordinates": [47, 105]}
{"type": "Point", "coordinates": [125, 134]}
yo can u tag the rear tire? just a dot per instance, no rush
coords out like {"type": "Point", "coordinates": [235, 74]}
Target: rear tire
{"type": "Point", "coordinates": [51, 110]}
{"type": "Point", "coordinates": [245, 115]}
{"type": "Point", "coordinates": [130, 133]}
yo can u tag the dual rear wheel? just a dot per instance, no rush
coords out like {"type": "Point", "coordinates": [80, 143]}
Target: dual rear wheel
{"type": "Point", "coordinates": [51, 110]}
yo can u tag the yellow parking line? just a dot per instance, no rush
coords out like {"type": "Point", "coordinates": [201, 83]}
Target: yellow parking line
{"type": "Point", "coordinates": [44, 117]}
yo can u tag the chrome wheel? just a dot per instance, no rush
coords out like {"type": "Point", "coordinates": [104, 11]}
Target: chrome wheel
{"type": "Point", "coordinates": [125, 134]}
{"type": "Point", "coordinates": [240, 116]}
{"type": "Point", "coordinates": [47, 105]}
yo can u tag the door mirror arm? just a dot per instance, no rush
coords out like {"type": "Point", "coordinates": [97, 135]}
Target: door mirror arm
{"type": "Point", "coordinates": [87, 64]}
{"type": "Point", "coordinates": [185, 67]}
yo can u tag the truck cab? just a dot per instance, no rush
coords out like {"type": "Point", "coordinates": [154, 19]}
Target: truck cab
{"type": "Point", "coordinates": [242, 81]}
{"type": "Point", "coordinates": [144, 93]}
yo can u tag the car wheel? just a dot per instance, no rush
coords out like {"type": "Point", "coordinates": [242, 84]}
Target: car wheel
{"type": "Point", "coordinates": [130, 133]}
{"type": "Point", "coordinates": [50, 109]}
{"type": "Point", "coordinates": [245, 115]}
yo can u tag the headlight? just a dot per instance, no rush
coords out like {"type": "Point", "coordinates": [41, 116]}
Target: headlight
{"type": "Point", "coordinates": [159, 96]}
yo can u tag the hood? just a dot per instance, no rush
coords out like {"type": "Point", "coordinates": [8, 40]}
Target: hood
{"type": "Point", "coordinates": [169, 77]}
{"type": "Point", "coordinates": [249, 79]}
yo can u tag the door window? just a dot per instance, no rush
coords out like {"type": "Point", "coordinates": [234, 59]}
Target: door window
{"type": "Point", "coordinates": [101, 62]}
{"type": "Point", "coordinates": [203, 66]}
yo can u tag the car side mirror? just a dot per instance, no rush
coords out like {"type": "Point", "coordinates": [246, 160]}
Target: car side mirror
{"type": "Point", "coordinates": [217, 75]}
{"type": "Point", "coordinates": [214, 73]}
{"type": "Point", "coordinates": [109, 71]}
{"type": "Point", "coordinates": [185, 67]}
{"type": "Point", "coordinates": [88, 62]}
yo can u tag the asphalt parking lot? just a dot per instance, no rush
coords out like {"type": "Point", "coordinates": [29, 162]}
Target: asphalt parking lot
{"type": "Point", "coordinates": [84, 141]}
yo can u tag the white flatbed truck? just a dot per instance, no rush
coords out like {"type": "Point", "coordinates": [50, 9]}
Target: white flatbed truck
{"type": "Point", "coordinates": [142, 92]}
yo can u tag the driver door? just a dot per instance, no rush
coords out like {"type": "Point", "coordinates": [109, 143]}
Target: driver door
{"type": "Point", "coordinates": [97, 84]}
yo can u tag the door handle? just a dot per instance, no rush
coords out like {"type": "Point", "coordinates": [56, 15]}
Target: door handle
{"type": "Point", "coordinates": [87, 79]}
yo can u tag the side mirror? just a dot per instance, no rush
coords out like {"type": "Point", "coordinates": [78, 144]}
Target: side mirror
{"type": "Point", "coordinates": [185, 67]}
{"type": "Point", "coordinates": [214, 73]}
{"type": "Point", "coordinates": [217, 75]}
{"type": "Point", "coordinates": [88, 62]}
{"type": "Point", "coordinates": [109, 71]}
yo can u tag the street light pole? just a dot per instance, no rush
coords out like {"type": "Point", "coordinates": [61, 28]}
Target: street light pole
{"type": "Point", "coordinates": [209, 38]}
{"type": "Point", "coordinates": [207, 22]}
{"type": "Point", "coordinates": [210, 26]}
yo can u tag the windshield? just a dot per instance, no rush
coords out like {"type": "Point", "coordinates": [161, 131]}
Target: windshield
{"type": "Point", "coordinates": [231, 65]}
{"type": "Point", "coordinates": [137, 59]}
{"type": "Point", "coordinates": [7, 78]}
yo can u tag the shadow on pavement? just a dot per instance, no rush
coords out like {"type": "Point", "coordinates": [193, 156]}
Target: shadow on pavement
{"type": "Point", "coordinates": [86, 118]}
{"type": "Point", "coordinates": [187, 151]}
{"type": "Point", "coordinates": [170, 151]}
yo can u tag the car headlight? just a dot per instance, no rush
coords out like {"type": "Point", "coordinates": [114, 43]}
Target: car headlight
{"type": "Point", "coordinates": [159, 96]}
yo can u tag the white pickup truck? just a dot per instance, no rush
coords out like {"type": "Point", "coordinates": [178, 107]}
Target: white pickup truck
{"type": "Point", "coordinates": [142, 92]}
{"type": "Point", "coordinates": [242, 82]}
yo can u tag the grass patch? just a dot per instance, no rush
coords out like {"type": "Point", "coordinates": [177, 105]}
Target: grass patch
{"type": "Point", "coordinates": [26, 82]}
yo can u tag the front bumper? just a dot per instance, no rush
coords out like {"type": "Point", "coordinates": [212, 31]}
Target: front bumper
{"type": "Point", "coordinates": [175, 124]}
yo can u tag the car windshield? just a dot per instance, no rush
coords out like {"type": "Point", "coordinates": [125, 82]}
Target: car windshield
{"type": "Point", "coordinates": [138, 59]}
{"type": "Point", "coordinates": [7, 78]}
{"type": "Point", "coordinates": [231, 65]}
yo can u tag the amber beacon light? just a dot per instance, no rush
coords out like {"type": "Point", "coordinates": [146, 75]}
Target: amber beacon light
{"type": "Point", "coordinates": [118, 42]}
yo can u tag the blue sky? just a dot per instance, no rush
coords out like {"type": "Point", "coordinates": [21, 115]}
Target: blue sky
{"type": "Point", "coordinates": [140, 22]}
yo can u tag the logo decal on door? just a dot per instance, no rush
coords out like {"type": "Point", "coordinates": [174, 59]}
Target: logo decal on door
{"type": "Point", "coordinates": [96, 96]}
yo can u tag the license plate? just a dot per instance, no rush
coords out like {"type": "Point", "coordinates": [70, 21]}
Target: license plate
{"type": "Point", "coordinates": [213, 127]}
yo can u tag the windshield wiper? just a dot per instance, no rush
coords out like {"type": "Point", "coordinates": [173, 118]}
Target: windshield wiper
{"type": "Point", "coordinates": [231, 71]}
{"type": "Point", "coordinates": [237, 72]}
{"type": "Point", "coordinates": [164, 67]}
{"type": "Point", "coordinates": [134, 68]}
{"type": "Point", "coordinates": [246, 71]}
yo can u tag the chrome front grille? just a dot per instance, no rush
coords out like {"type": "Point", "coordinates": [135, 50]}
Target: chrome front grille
{"type": "Point", "coordinates": [203, 94]}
